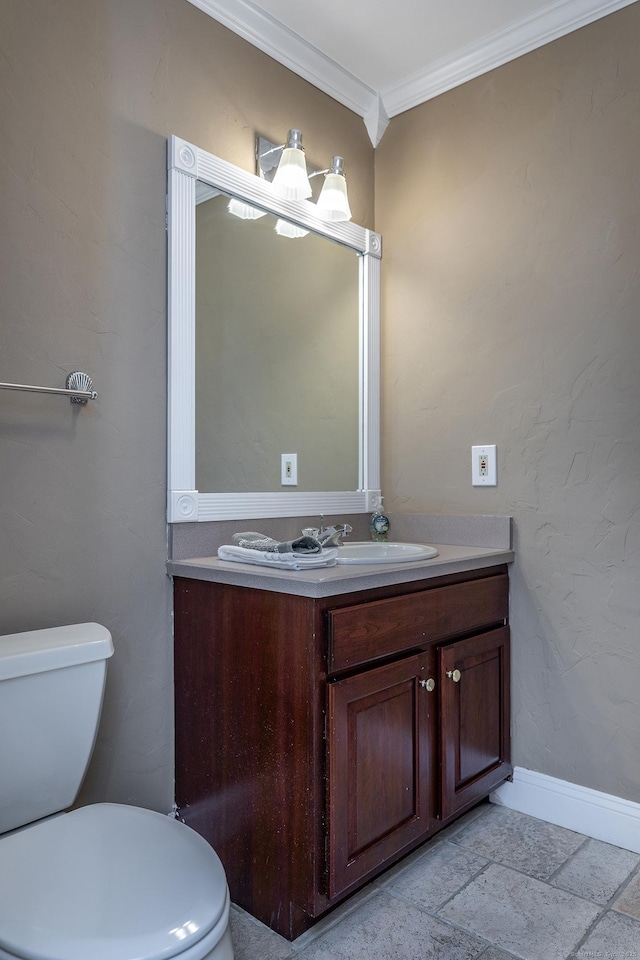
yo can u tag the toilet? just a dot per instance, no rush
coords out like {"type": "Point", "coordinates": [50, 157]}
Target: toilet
{"type": "Point", "coordinates": [104, 881]}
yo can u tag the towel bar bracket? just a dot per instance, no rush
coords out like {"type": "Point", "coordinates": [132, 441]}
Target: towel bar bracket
{"type": "Point", "coordinates": [78, 387]}
{"type": "Point", "coordinates": [80, 383]}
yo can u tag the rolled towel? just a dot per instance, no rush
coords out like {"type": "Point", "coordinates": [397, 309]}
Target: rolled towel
{"type": "Point", "coordinates": [259, 541]}
{"type": "Point", "coordinates": [277, 561]}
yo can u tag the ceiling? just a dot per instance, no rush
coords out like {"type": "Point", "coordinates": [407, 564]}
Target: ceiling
{"type": "Point", "coordinates": [382, 57]}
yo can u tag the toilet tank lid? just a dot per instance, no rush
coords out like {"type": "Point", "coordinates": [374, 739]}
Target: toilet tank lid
{"type": "Point", "coordinates": [37, 651]}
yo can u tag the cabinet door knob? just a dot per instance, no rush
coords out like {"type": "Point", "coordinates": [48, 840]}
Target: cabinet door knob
{"type": "Point", "coordinates": [429, 684]}
{"type": "Point", "coordinates": [454, 674]}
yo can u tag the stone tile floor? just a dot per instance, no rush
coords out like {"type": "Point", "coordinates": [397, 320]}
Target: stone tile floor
{"type": "Point", "coordinates": [497, 885]}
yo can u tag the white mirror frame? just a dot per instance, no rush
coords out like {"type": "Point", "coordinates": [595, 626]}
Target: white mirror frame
{"type": "Point", "coordinates": [186, 164]}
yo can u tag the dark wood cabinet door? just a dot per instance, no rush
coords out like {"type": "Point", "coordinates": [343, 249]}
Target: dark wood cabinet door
{"type": "Point", "coordinates": [475, 715]}
{"type": "Point", "coordinates": [381, 758]}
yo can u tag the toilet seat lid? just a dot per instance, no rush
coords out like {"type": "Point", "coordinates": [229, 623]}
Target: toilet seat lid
{"type": "Point", "coordinates": [107, 882]}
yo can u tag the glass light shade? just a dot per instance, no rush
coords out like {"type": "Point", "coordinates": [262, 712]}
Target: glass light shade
{"type": "Point", "coordinates": [286, 229]}
{"type": "Point", "coordinates": [291, 181]}
{"type": "Point", "coordinates": [244, 210]}
{"type": "Point", "coordinates": [333, 203]}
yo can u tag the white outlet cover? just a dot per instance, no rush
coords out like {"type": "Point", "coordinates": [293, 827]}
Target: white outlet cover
{"type": "Point", "coordinates": [489, 452]}
{"type": "Point", "coordinates": [289, 469]}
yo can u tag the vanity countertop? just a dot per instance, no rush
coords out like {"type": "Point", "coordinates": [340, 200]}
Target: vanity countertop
{"type": "Point", "coordinates": [333, 581]}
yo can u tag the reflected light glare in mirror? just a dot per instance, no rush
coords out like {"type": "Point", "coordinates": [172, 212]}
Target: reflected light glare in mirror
{"type": "Point", "coordinates": [286, 229]}
{"type": "Point", "coordinates": [244, 210]}
{"type": "Point", "coordinates": [333, 203]}
{"type": "Point", "coordinates": [291, 181]}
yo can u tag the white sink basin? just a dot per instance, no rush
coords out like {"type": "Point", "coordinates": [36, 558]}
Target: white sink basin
{"type": "Point", "coordinates": [366, 552]}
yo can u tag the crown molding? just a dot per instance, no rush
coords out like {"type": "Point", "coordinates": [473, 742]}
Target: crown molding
{"type": "Point", "coordinates": [376, 120]}
{"type": "Point", "coordinates": [376, 107]}
{"type": "Point", "coordinates": [292, 51]}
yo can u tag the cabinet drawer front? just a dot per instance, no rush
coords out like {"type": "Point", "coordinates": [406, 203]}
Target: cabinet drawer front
{"type": "Point", "coordinates": [380, 628]}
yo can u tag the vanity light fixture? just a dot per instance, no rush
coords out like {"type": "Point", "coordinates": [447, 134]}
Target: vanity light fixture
{"type": "Point", "coordinates": [333, 202]}
{"type": "Point", "coordinates": [285, 166]}
{"type": "Point", "coordinates": [291, 181]}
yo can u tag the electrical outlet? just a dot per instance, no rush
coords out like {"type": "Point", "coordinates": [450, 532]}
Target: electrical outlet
{"type": "Point", "coordinates": [484, 465]}
{"type": "Point", "coordinates": [289, 469]}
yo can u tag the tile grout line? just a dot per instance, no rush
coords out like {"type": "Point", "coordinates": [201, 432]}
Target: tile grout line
{"type": "Point", "coordinates": [568, 860]}
{"type": "Point", "coordinates": [485, 944]}
{"type": "Point", "coordinates": [607, 908]}
{"type": "Point", "coordinates": [583, 939]}
{"type": "Point", "coordinates": [518, 870]}
{"type": "Point", "coordinates": [623, 886]}
{"type": "Point", "coordinates": [547, 881]}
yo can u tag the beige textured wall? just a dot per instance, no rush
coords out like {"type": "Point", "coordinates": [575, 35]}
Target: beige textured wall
{"type": "Point", "coordinates": [89, 91]}
{"type": "Point", "coordinates": [510, 211]}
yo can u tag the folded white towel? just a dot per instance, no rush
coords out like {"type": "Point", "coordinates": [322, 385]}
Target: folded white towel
{"type": "Point", "coordinates": [279, 561]}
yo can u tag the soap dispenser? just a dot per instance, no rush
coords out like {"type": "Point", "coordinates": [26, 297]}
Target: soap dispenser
{"type": "Point", "coordinates": [379, 524]}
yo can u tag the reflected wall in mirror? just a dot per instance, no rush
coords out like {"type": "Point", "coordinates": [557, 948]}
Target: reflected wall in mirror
{"type": "Point", "coordinates": [277, 341]}
{"type": "Point", "coordinates": [285, 360]}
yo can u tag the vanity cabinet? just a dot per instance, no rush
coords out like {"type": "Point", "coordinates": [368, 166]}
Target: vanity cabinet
{"type": "Point", "coordinates": [318, 740]}
{"type": "Point", "coordinates": [422, 738]}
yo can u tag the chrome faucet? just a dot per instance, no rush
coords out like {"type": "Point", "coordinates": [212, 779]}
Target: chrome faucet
{"type": "Point", "coordinates": [331, 536]}
{"type": "Point", "coordinates": [328, 536]}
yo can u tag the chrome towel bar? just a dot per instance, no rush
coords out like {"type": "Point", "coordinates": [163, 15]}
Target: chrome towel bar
{"type": "Point", "coordinates": [79, 388]}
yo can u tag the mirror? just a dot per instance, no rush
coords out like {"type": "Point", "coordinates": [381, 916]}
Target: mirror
{"type": "Point", "coordinates": [276, 363]}
{"type": "Point", "coordinates": [273, 350]}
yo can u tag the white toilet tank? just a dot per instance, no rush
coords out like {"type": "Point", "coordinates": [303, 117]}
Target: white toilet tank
{"type": "Point", "coordinates": [51, 689]}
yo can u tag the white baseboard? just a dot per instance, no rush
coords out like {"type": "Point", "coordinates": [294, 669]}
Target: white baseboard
{"type": "Point", "coordinates": [598, 815]}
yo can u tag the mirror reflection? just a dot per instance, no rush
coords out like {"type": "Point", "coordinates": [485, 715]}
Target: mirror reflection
{"type": "Point", "coordinates": [277, 348]}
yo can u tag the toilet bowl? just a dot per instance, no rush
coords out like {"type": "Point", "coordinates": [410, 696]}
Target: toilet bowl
{"type": "Point", "coordinates": [105, 881]}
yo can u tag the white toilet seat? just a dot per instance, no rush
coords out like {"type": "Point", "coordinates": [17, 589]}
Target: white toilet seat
{"type": "Point", "coordinates": [110, 882]}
